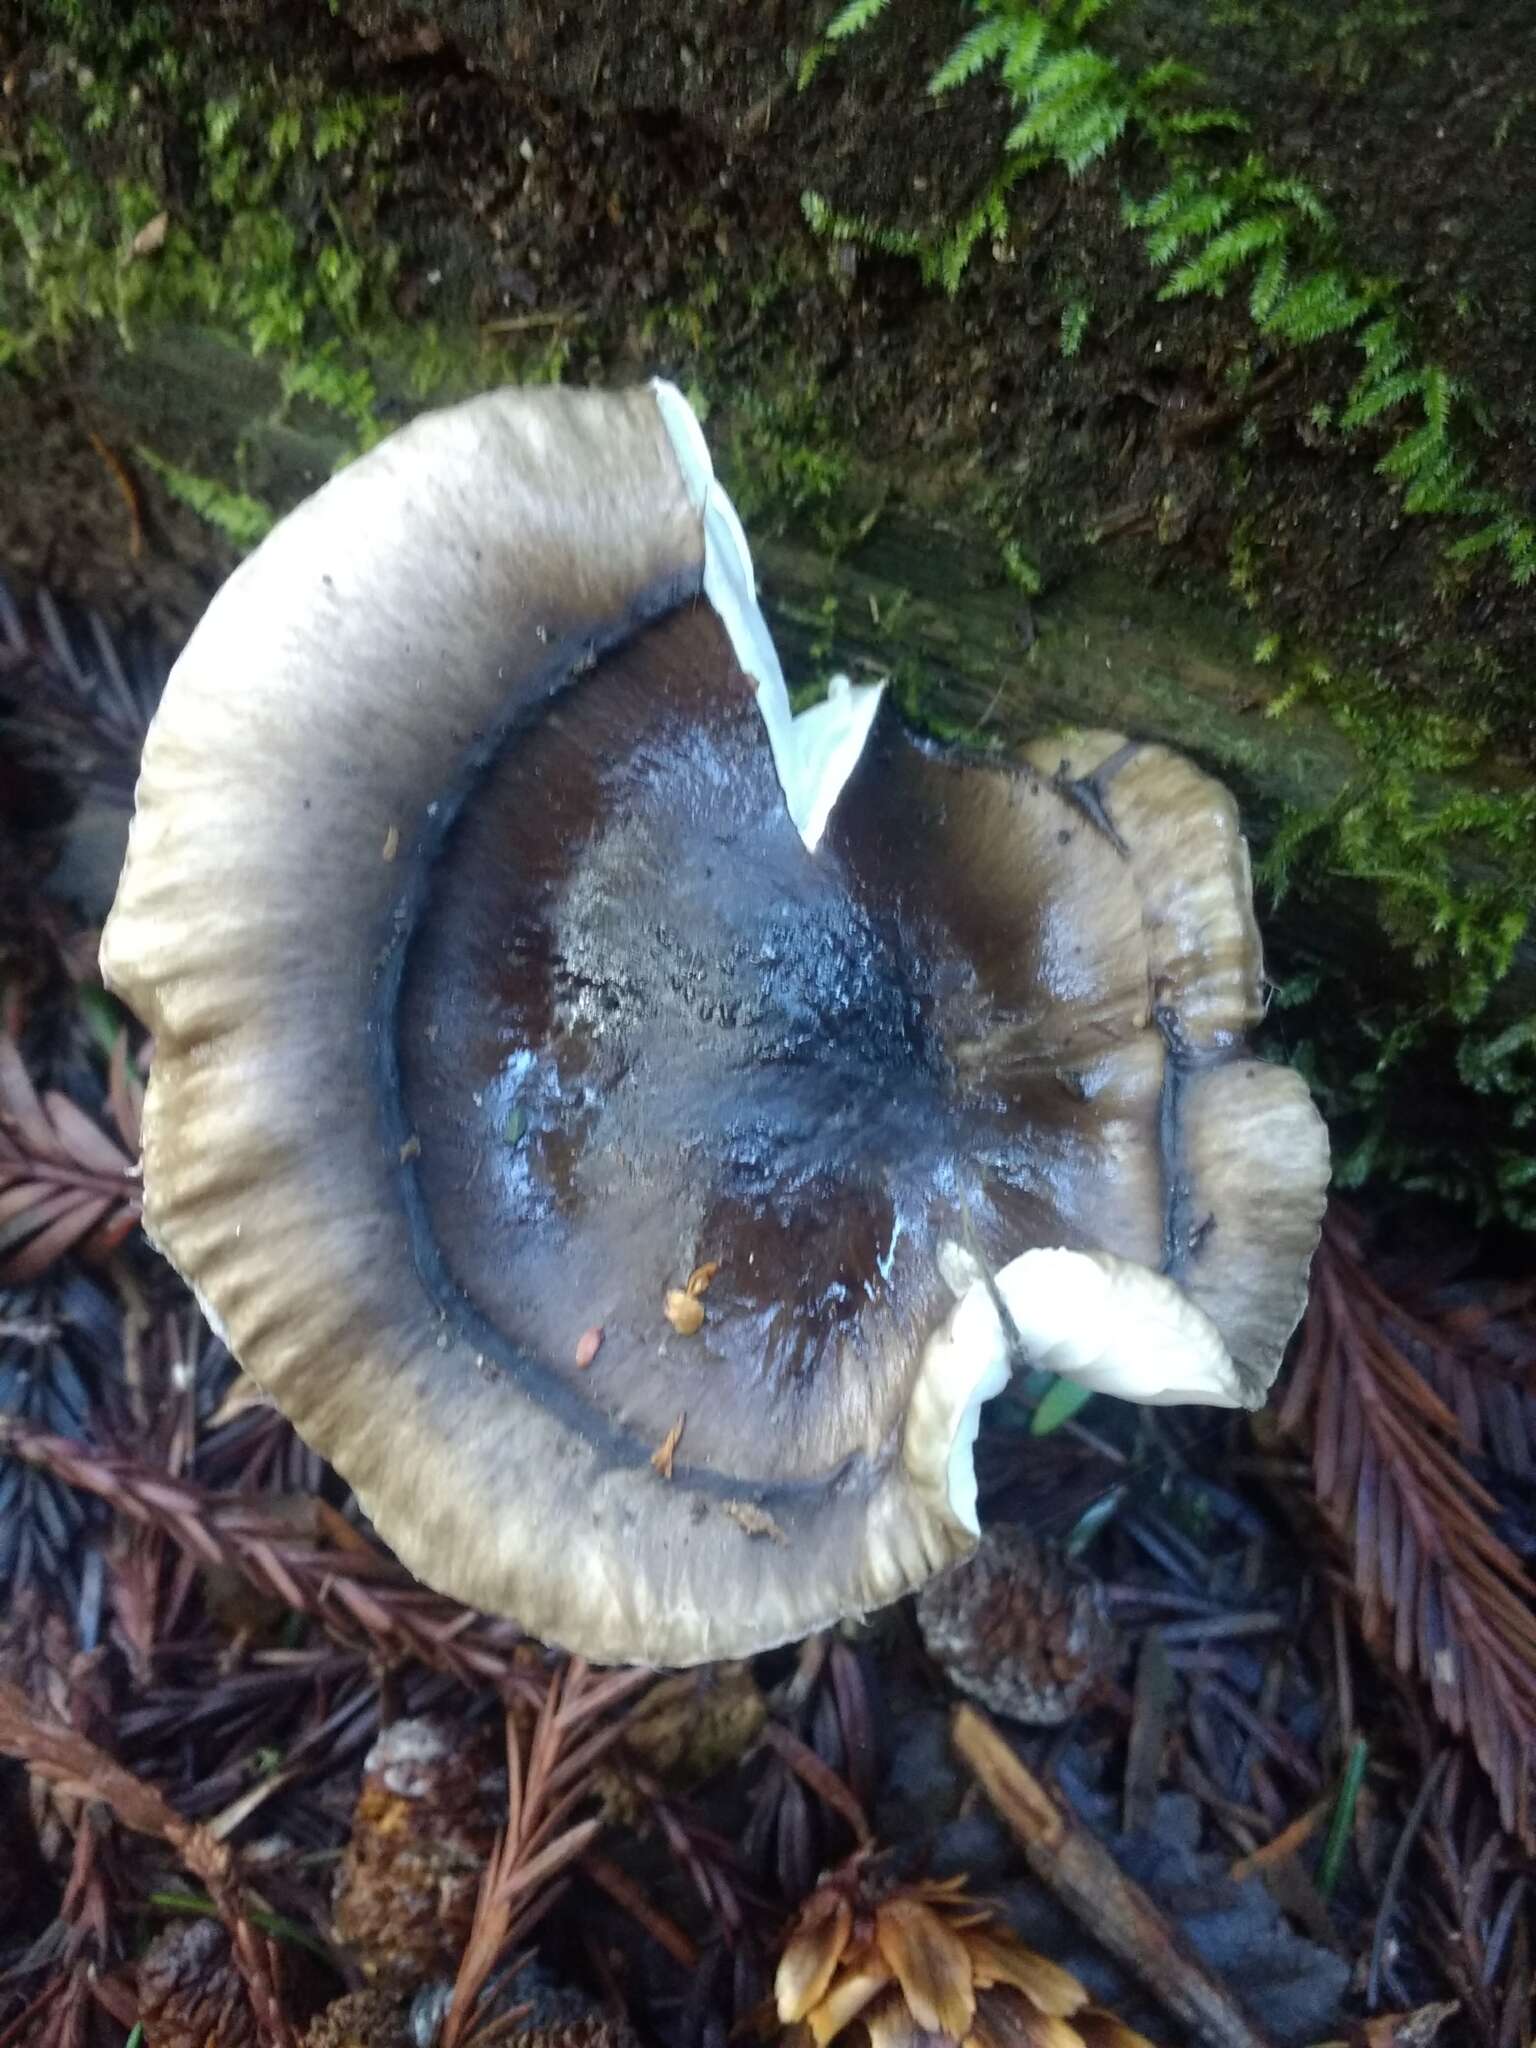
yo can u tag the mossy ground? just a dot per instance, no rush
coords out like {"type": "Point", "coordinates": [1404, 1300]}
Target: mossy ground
{"type": "Point", "coordinates": [384, 204]}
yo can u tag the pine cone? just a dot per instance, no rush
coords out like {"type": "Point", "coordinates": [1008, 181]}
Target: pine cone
{"type": "Point", "coordinates": [421, 1835]}
{"type": "Point", "coordinates": [362, 2019]}
{"type": "Point", "coordinates": [190, 1993]}
{"type": "Point", "coordinates": [688, 1728]}
{"type": "Point", "coordinates": [1018, 1626]}
{"type": "Point", "coordinates": [594, 2031]}
{"type": "Point", "coordinates": [867, 1962]}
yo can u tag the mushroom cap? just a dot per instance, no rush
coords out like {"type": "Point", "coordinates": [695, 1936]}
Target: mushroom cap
{"type": "Point", "coordinates": [608, 1114]}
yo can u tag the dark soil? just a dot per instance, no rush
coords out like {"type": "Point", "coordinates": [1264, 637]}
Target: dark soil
{"type": "Point", "coordinates": [668, 160]}
{"type": "Point", "coordinates": [606, 176]}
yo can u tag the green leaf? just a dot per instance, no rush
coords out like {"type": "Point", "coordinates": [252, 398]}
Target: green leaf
{"type": "Point", "coordinates": [219, 119]}
{"type": "Point", "coordinates": [817, 212]}
{"type": "Point", "coordinates": [1074, 73]}
{"type": "Point", "coordinates": [1442, 489]}
{"type": "Point", "coordinates": [1439, 390]}
{"type": "Point", "coordinates": [1024, 52]}
{"type": "Point", "coordinates": [1091, 135]}
{"type": "Point", "coordinates": [1181, 223]}
{"type": "Point", "coordinates": [1078, 108]}
{"type": "Point", "coordinates": [1416, 454]}
{"type": "Point", "coordinates": [1320, 305]}
{"type": "Point", "coordinates": [1342, 1825]}
{"type": "Point", "coordinates": [1202, 120]}
{"type": "Point", "coordinates": [241, 519]}
{"type": "Point", "coordinates": [1383, 345]}
{"type": "Point", "coordinates": [284, 132]}
{"type": "Point", "coordinates": [973, 53]}
{"type": "Point", "coordinates": [1295, 192]}
{"type": "Point", "coordinates": [1224, 253]}
{"type": "Point", "coordinates": [1169, 72]}
{"type": "Point", "coordinates": [1062, 1400]}
{"type": "Point", "coordinates": [1520, 549]}
{"type": "Point", "coordinates": [852, 19]}
{"type": "Point", "coordinates": [1021, 572]}
{"type": "Point", "coordinates": [1268, 285]}
{"type": "Point", "coordinates": [1368, 401]}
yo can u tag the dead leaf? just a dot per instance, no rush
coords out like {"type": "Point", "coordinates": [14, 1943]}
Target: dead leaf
{"type": "Point", "coordinates": [755, 1520]}
{"type": "Point", "coordinates": [333, 1527]}
{"type": "Point", "coordinates": [64, 1184]}
{"type": "Point", "coordinates": [1407, 2029]}
{"type": "Point", "coordinates": [410, 1150]}
{"type": "Point", "coordinates": [811, 1957]}
{"type": "Point", "coordinates": [683, 1311]}
{"type": "Point", "coordinates": [222, 1824]}
{"type": "Point", "coordinates": [150, 237]}
{"type": "Point", "coordinates": [243, 1395]}
{"type": "Point", "coordinates": [700, 1277]}
{"type": "Point", "coordinates": [391, 842]}
{"type": "Point", "coordinates": [666, 1450]}
{"type": "Point", "coordinates": [930, 1963]}
{"type": "Point", "coordinates": [590, 1345]}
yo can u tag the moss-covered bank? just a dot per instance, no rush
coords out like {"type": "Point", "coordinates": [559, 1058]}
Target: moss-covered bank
{"type": "Point", "coordinates": [239, 243]}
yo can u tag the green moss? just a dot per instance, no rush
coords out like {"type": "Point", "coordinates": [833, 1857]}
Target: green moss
{"type": "Point", "coordinates": [1337, 47]}
{"type": "Point", "coordinates": [1076, 315]}
{"type": "Point", "coordinates": [929, 709]}
{"type": "Point", "coordinates": [266, 254]}
{"type": "Point", "coordinates": [242, 519]}
{"type": "Point", "coordinates": [1385, 829]}
{"type": "Point", "coordinates": [782, 461]}
{"type": "Point", "coordinates": [1215, 222]}
{"type": "Point", "coordinates": [280, 245]}
{"type": "Point", "coordinates": [1401, 829]}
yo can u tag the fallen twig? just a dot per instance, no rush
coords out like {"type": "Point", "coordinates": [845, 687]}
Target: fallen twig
{"type": "Point", "coordinates": [1387, 1906]}
{"type": "Point", "coordinates": [56, 1753]}
{"type": "Point", "coordinates": [549, 1774]}
{"type": "Point", "coordinates": [1088, 1881]}
{"type": "Point", "coordinates": [624, 1892]}
{"type": "Point", "coordinates": [1440, 1593]}
{"type": "Point", "coordinates": [819, 1776]}
{"type": "Point", "coordinates": [117, 469]}
{"type": "Point", "coordinates": [361, 1596]}
{"type": "Point", "coordinates": [64, 1184]}
{"type": "Point", "coordinates": [1285, 1844]}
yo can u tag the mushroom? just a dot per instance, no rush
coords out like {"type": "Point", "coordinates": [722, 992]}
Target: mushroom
{"type": "Point", "coordinates": [518, 965]}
